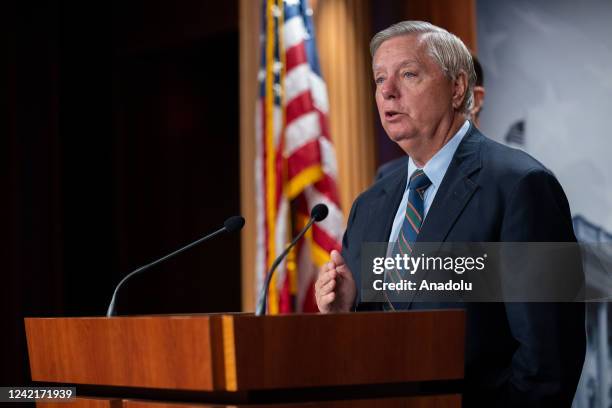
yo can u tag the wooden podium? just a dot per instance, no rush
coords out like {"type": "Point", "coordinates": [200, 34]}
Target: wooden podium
{"type": "Point", "coordinates": [401, 359]}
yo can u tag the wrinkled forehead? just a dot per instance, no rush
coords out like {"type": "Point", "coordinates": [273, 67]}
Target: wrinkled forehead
{"type": "Point", "coordinates": [403, 48]}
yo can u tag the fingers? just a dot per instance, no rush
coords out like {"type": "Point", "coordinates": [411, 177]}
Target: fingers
{"type": "Point", "coordinates": [328, 274]}
{"type": "Point", "coordinates": [341, 266]}
{"type": "Point", "coordinates": [327, 300]}
{"type": "Point", "coordinates": [325, 275]}
{"type": "Point", "coordinates": [328, 266]}
{"type": "Point", "coordinates": [335, 286]}
{"type": "Point", "coordinates": [325, 287]}
{"type": "Point", "coordinates": [325, 268]}
{"type": "Point", "coordinates": [336, 258]}
{"type": "Point", "coordinates": [332, 282]}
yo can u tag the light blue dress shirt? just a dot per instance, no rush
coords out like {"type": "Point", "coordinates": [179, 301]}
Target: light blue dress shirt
{"type": "Point", "coordinates": [435, 169]}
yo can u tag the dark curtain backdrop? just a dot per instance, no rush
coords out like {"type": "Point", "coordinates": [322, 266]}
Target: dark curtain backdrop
{"type": "Point", "coordinates": [120, 143]}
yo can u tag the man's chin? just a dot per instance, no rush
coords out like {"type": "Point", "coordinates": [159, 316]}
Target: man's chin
{"type": "Point", "coordinates": [402, 138]}
{"type": "Point", "coordinates": [406, 143]}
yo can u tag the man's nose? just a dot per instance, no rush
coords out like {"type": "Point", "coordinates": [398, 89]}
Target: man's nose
{"type": "Point", "coordinates": [389, 89]}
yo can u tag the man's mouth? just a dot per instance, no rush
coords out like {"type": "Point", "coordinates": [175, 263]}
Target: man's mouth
{"type": "Point", "coordinates": [390, 114]}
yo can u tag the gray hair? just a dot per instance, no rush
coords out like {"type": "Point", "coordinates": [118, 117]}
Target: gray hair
{"type": "Point", "coordinates": [447, 50]}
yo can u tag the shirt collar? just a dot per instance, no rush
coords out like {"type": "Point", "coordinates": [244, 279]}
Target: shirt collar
{"type": "Point", "coordinates": [436, 167]}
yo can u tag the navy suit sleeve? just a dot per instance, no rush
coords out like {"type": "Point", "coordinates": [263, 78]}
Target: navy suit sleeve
{"type": "Point", "coordinates": [348, 253]}
{"type": "Point", "coordinates": [351, 252]}
{"type": "Point", "coordinates": [345, 237]}
{"type": "Point", "coordinates": [546, 366]}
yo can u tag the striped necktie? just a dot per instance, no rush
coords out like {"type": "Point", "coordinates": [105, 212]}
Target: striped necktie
{"type": "Point", "coordinates": [413, 219]}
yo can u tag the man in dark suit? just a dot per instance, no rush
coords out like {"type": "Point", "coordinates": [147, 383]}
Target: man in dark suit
{"type": "Point", "coordinates": [461, 187]}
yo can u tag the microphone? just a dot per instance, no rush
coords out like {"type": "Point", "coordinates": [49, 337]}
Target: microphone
{"type": "Point", "coordinates": [319, 213]}
{"type": "Point", "coordinates": [232, 224]}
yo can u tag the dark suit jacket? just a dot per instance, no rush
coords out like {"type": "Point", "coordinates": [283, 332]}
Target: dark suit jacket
{"type": "Point", "coordinates": [517, 354]}
{"type": "Point", "coordinates": [391, 167]}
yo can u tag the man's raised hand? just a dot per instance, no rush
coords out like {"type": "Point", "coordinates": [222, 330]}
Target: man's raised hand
{"type": "Point", "coordinates": [335, 288]}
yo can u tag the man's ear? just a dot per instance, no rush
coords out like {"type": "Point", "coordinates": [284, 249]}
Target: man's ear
{"type": "Point", "coordinates": [479, 95]}
{"type": "Point", "coordinates": [460, 86]}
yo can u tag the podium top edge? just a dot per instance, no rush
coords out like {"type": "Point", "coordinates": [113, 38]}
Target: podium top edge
{"type": "Point", "coordinates": [248, 315]}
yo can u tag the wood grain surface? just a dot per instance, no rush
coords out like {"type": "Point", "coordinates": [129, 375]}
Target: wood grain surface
{"type": "Point", "coordinates": [173, 352]}
{"type": "Point", "coordinates": [445, 401]}
{"type": "Point", "coordinates": [242, 352]}
{"type": "Point", "coordinates": [344, 349]}
{"type": "Point", "coordinates": [83, 402]}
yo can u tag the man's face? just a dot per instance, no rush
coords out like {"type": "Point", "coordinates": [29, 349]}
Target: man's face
{"type": "Point", "coordinates": [412, 93]}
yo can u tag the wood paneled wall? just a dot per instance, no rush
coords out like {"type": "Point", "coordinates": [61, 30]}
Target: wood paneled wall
{"type": "Point", "coordinates": [249, 17]}
{"type": "Point", "coordinates": [456, 16]}
{"type": "Point", "coordinates": [343, 36]}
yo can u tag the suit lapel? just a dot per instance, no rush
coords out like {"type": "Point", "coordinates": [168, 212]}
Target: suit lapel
{"type": "Point", "coordinates": [382, 209]}
{"type": "Point", "coordinates": [453, 195]}
{"type": "Point", "coordinates": [381, 213]}
{"type": "Point", "coordinates": [455, 191]}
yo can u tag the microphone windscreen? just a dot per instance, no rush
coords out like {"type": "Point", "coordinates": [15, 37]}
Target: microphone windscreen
{"type": "Point", "coordinates": [319, 212]}
{"type": "Point", "coordinates": [234, 223]}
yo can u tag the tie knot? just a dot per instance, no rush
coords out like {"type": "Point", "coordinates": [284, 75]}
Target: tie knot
{"type": "Point", "coordinates": [419, 180]}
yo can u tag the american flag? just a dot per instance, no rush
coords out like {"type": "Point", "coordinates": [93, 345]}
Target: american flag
{"type": "Point", "coordinates": [295, 165]}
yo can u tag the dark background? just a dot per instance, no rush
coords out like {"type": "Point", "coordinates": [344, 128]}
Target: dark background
{"type": "Point", "coordinates": [120, 143]}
